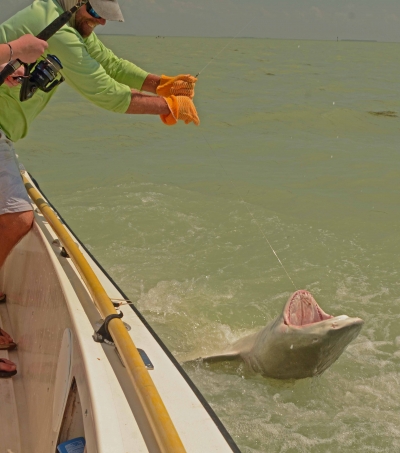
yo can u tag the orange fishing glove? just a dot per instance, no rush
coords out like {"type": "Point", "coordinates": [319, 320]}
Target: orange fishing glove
{"type": "Point", "coordinates": [182, 108]}
{"type": "Point", "coordinates": [181, 85]}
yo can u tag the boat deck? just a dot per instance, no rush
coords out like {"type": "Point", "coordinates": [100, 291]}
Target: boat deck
{"type": "Point", "coordinates": [9, 408]}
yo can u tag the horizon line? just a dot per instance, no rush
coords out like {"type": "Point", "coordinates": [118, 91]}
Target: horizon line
{"type": "Point", "coordinates": [246, 37]}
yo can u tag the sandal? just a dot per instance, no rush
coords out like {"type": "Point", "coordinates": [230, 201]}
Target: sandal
{"type": "Point", "coordinates": [7, 346]}
{"type": "Point", "coordinates": [7, 374]}
{"type": "Point", "coordinates": [3, 298]}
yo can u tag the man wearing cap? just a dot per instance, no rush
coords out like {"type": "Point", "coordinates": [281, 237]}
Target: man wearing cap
{"type": "Point", "coordinates": [92, 70]}
{"type": "Point", "coordinates": [27, 48]}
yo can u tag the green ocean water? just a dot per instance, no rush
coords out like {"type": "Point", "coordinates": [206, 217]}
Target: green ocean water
{"type": "Point", "coordinates": [293, 148]}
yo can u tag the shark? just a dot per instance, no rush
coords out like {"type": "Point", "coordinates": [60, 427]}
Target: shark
{"type": "Point", "coordinates": [303, 341]}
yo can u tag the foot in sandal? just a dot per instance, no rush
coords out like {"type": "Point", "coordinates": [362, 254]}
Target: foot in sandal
{"type": "Point", "coordinates": [7, 369]}
{"type": "Point", "coordinates": [6, 342]}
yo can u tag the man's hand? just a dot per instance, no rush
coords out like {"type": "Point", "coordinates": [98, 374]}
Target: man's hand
{"type": "Point", "coordinates": [28, 49]}
{"type": "Point", "coordinates": [181, 108]}
{"type": "Point", "coordinates": [181, 85]}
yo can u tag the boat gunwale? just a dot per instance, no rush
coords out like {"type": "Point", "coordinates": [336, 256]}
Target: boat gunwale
{"type": "Point", "coordinates": [214, 417]}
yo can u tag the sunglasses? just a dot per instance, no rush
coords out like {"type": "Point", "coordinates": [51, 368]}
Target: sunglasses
{"type": "Point", "coordinates": [91, 11]}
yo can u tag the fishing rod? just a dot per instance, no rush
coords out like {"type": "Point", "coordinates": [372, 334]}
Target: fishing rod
{"type": "Point", "coordinates": [44, 35]}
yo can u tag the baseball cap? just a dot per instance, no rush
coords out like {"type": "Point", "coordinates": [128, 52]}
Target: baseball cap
{"type": "Point", "coordinates": [108, 9]}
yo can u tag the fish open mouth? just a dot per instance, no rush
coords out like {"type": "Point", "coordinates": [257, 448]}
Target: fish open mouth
{"type": "Point", "coordinates": [302, 309]}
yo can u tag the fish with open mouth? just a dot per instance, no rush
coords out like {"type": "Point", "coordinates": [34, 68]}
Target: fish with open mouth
{"type": "Point", "coordinates": [303, 341]}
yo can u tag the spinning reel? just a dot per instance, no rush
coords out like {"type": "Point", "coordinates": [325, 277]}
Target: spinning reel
{"type": "Point", "coordinates": [42, 76]}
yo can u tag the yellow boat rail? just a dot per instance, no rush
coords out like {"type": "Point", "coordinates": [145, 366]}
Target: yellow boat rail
{"type": "Point", "coordinates": [163, 429]}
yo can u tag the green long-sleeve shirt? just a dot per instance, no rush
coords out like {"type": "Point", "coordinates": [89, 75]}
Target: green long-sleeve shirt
{"type": "Point", "coordinates": [88, 66]}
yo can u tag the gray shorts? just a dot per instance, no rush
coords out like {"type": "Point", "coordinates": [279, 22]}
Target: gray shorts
{"type": "Point", "coordinates": [13, 195]}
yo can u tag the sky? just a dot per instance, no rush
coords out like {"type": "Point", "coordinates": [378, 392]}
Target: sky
{"type": "Point", "coordinates": [288, 19]}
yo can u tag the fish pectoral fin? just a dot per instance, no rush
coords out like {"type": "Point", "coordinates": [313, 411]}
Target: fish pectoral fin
{"type": "Point", "coordinates": [221, 357]}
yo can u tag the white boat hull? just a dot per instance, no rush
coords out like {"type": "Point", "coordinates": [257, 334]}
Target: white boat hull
{"type": "Point", "coordinates": [68, 385]}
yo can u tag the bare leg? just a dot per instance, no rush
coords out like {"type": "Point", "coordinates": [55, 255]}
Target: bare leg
{"type": "Point", "coordinates": [13, 228]}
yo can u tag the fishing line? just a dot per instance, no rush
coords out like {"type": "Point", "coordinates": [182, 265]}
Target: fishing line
{"type": "Point", "coordinates": [226, 173]}
{"type": "Point", "coordinates": [229, 42]}
{"type": "Point", "coordinates": [248, 209]}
